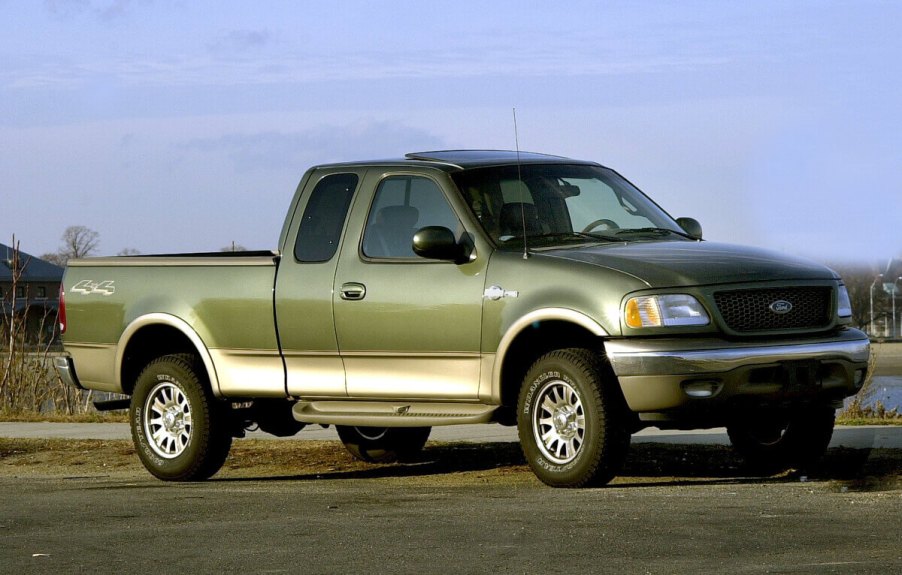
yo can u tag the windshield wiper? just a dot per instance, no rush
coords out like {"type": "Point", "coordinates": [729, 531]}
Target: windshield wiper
{"type": "Point", "coordinates": [653, 231]}
{"type": "Point", "coordinates": [574, 235]}
{"type": "Point", "coordinates": [562, 236]}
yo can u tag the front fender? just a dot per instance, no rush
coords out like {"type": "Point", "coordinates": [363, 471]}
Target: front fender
{"type": "Point", "coordinates": [529, 321]}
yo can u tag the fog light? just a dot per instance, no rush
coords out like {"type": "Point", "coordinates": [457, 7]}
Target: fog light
{"type": "Point", "coordinates": [702, 388]}
{"type": "Point", "coordinates": [859, 378]}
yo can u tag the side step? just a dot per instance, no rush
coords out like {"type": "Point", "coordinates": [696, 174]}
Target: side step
{"type": "Point", "coordinates": [113, 404]}
{"type": "Point", "coordinates": [391, 414]}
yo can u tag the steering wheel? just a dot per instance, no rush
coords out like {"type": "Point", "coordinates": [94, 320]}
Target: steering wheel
{"type": "Point", "coordinates": [610, 225]}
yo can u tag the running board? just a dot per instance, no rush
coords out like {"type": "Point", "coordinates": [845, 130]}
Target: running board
{"type": "Point", "coordinates": [113, 404]}
{"type": "Point", "coordinates": [391, 414]}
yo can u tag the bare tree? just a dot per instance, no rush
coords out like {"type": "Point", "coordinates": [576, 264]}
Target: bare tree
{"type": "Point", "coordinates": [129, 252]}
{"type": "Point", "coordinates": [233, 248]}
{"type": "Point", "coordinates": [54, 258]}
{"type": "Point", "coordinates": [28, 384]}
{"type": "Point", "coordinates": [864, 283]}
{"type": "Point", "coordinates": [78, 242]}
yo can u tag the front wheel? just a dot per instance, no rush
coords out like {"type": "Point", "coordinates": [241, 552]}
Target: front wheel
{"type": "Point", "coordinates": [383, 444]}
{"type": "Point", "coordinates": [572, 421]}
{"type": "Point", "coordinates": [179, 429]}
{"type": "Point", "coordinates": [774, 441]}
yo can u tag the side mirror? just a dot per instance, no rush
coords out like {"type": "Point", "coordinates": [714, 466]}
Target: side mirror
{"type": "Point", "coordinates": [437, 243]}
{"type": "Point", "coordinates": [691, 227]}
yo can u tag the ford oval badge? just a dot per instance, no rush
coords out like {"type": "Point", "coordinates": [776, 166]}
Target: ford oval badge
{"type": "Point", "coordinates": [781, 306]}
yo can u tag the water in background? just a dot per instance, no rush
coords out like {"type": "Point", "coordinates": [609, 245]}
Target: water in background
{"type": "Point", "coordinates": [886, 389]}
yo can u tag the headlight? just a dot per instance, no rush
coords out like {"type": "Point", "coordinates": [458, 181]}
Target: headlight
{"type": "Point", "coordinates": [844, 304]}
{"type": "Point", "coordinates": [670, 310]}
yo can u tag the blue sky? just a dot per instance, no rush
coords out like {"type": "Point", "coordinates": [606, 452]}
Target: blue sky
{"type": "Point", "coordinates": [184, 126]}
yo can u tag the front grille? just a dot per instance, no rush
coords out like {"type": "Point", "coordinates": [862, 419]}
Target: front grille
{"type": "Point", "coordinates": [750, 310]}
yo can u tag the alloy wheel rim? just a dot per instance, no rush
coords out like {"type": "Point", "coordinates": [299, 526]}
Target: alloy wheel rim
{"type": "Point", "coordinates": [559, 422]}
{"type": "Point", "coordinates": [167, 420]}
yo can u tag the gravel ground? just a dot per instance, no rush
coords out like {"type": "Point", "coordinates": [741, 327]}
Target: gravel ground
{"type": "Point", "coordinates": [440, 464]}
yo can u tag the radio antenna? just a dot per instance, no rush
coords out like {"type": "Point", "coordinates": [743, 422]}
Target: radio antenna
{"type": "Point", "coordinates": [520, 186]}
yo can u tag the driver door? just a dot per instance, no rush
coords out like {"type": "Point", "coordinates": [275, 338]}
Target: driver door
{"type": "Point", "coordinates": [407, 327]}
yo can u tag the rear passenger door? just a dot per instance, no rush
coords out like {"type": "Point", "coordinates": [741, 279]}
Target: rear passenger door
{"type": "Point", "coordinates": [407, 327]}
{"type": "Point", "coordinates": [304, 287]}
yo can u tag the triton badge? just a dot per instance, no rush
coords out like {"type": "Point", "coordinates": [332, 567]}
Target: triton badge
{"type": "Point", "coordinates": [495, 293]}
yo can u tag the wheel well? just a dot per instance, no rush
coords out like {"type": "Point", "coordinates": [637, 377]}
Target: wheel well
{"type": "Point", "coordinates": [147, 344]}
{"type": "Point", "coordinates": [532, 343]}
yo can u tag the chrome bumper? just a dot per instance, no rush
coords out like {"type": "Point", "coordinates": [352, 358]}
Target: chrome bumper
{"type": "Point", "coordinates": [659, 375]}
{"type": "Point", "coordinates": [65, 368]}
{"type": "Point", "coordinates": [665, 357]}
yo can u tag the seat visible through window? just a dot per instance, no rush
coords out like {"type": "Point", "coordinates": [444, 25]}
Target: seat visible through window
{"type": "Point", "coordinates": [391, 234]}
{"type": "Point", "coordinates": [512, 217]}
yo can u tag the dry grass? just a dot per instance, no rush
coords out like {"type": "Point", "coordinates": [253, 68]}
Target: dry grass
{"type": "Point", "coordinates": [445, 464]}
{"type": "Point", "coordinates": [55, 417]}
{"type": "Point", "coordinates": [861, 412]}
{"type": "Point", "coordinates": [28, 382]}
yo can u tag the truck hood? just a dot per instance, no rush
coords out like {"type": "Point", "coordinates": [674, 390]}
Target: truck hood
{"type": "Point", "coordinates": [681, 263]}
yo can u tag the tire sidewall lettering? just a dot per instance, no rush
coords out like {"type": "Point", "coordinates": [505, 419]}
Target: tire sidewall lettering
{"type": "Point", "coordinates": [554, 468]}
{"type": "Point", "coordinates": [142, 438]}
{"type": "Point", "coordinates": [605, 439]}
{"type": "Point", "coordinates": [539, 382]}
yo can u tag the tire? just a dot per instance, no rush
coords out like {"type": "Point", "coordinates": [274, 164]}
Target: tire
{"type": "Point", "coordinates": [772, 441]}
{"type": "Point", "coordinates": [572, 420]}
{"type": "Point", "coordinates": [383, 444]}
{"type": "Point", "coordinates": [179, 429]}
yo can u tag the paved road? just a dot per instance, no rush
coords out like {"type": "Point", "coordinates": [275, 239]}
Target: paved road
{"type": "Point", "coordinates": [855, 437]}
{"type": "Point", "coordinates": [415, 519]}
{"type": "Point", "coordinates": [384, 524]}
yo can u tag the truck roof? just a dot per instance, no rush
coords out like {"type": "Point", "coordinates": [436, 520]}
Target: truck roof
{"type": "Point", "coordinates": [453, 160]}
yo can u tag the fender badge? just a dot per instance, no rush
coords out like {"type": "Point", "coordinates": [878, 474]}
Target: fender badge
{"type": "Point", "coordinates": [495, 293]}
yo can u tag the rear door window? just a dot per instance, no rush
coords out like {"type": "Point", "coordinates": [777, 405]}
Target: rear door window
{"type": "Point", "coordinates": [324, 218]}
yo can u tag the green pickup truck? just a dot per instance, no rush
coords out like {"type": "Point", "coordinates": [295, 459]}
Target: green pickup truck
{"type": "Point", "coordinates": [461, 287]}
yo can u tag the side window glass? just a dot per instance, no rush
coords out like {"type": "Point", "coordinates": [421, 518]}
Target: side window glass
{"type": "Point", "coordinates": [404, 204]}
{"type": "Point", "coordinates": [324, 218]}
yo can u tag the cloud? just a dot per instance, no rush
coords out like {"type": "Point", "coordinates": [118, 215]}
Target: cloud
{"type": "Point", "coordinates": [248, 57]}
{"type": "Point", "coordinates": [104, 10]}
{"type": "Point", "coordinates": [275, 150]}
{"type": "Point", "coordinates": [241, 41]}
{"type": "Point", "coordinates": [67, 8]}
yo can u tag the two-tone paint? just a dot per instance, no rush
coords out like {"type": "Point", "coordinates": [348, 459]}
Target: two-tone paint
{"type": "Point", "coordinates": [358, 335]}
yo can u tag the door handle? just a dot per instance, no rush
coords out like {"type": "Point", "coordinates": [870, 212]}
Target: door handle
{"type": "Point", "coordinates": [352, 291]}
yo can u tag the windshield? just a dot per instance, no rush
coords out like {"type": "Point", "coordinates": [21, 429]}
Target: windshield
{"type": "Point", "coordinates": [560, 203]}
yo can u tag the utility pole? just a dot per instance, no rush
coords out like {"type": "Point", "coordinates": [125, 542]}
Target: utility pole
{"type": "Point", "coordinates": [893, 295]}
{"type": "Point", "coordinates": [873, 283]}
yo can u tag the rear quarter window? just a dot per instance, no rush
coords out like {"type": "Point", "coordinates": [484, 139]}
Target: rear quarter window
{"type": "Point", "coordinates": [324, 218]}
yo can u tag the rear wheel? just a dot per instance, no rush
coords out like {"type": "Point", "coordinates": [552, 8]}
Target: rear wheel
{"type": "Point", "coordinates": [572, 420]}
{"type": "Point", "coordinates": [771, 441]}
{"type": "Point", "coordinates": [179, 429]}
{"type": "Point", "coordinates": [383, 444]}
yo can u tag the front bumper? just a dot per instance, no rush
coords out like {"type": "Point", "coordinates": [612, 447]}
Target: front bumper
{"type": "Point", "coordinates": [692, 375]}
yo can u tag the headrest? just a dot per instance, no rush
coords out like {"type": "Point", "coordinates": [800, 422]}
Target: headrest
{"type": "Point", "coordinates": [512, 215]}
{"type": "Point", "coordinates": [398, 216]}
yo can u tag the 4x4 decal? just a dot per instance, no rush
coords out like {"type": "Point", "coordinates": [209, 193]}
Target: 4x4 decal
{"type": "Point", "coordinates": [89, 287]}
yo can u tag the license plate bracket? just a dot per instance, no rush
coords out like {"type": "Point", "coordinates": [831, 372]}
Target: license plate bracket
{"type": "Point", "coordinates": [800, 376]}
